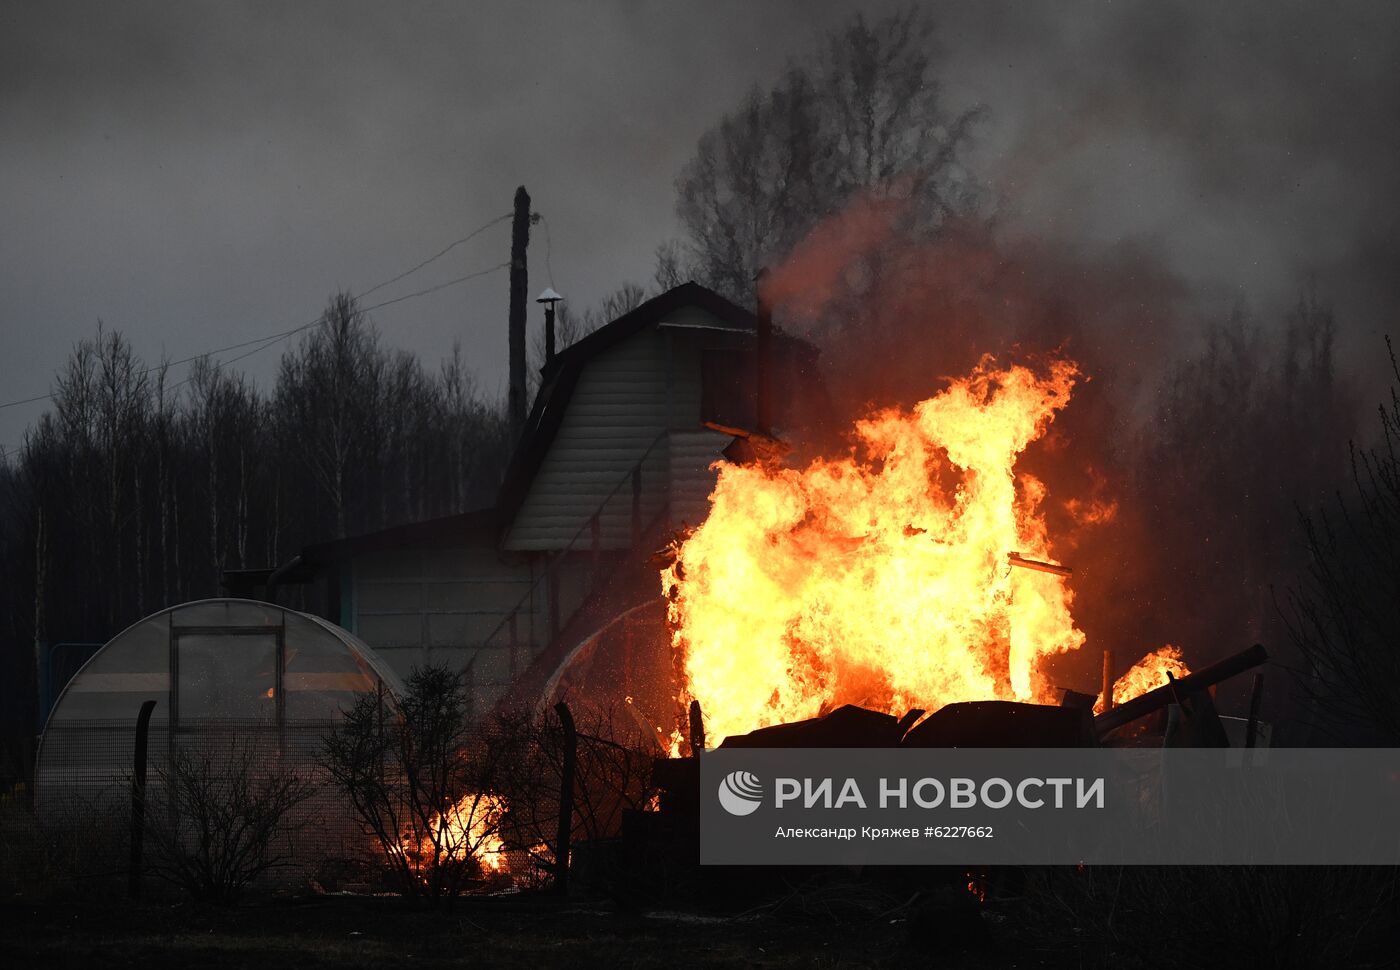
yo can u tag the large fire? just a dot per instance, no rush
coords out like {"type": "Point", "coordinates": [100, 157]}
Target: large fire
{"type": "Point", "coordinates": [1148, 673]}
{"type": "Point", "coordinates": [882, 578]}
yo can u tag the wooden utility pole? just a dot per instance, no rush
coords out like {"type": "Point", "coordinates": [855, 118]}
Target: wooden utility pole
{"type": "Point", "coordinates": [519, 284]}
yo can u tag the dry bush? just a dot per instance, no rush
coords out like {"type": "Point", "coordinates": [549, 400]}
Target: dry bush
{"type": "Point", "coordinates": [218, 817]}
{"type": "Point", "coordinates": [420, 783]}
{"type": "Point", "coordinates": [78, 845]}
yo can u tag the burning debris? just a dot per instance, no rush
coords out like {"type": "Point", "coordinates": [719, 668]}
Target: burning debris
{"type": "Point", "coordinates": [1149, 672]}
{"type": "Point", "coordinates": [885, 579]}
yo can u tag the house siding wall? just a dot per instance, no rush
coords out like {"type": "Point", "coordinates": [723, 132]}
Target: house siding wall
{"type": "Point", "coordinates": [419, 606]}
{"type": "Point", "coordinates": [617, 411]}
{"type": "Point", "coordinates": [625, 400]}
{"type": "Point", "coordinates": [692, 481]}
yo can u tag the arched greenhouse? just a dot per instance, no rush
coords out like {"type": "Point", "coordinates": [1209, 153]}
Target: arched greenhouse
{"type": "Point", "coordinates": [234, 682]}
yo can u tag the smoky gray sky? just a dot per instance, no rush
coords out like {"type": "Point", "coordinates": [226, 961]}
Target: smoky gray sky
{"type": "Point", "coordinates": [199, 174]}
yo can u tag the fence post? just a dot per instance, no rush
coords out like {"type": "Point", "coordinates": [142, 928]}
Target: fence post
{"type": "Point", "coordinates": [697, 730]}
{"type": "Point", "coordinates": [138, 799]}
{"type": "Point", "coordinates": [566, 799]}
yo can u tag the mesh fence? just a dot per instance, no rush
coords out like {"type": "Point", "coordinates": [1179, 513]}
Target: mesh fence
{"type": "Point", "coordinates": [83, 803]}
{"type": "Point", "coordinates": [83, 785]}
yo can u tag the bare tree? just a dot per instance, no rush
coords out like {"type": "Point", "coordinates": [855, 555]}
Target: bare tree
{"type": "Point", "coordinates": [620, 301]}
{"type": "Point", "coordinates": [1243, 432]}
{"type": "Point", "coordinates": [1345, 616]}
{"type": "Point", "coordinates": [327, 396]}
{"type": "Point", "coordinates": [136, 492]}
{"type": "Point", "coordinates": [224, 421]}
{"type": "Point", "coordinates": [671, 268]}
{"type": "Point", "coordinates": [469, 432]}
{"type": "Point", "coordinates": [866, 117]}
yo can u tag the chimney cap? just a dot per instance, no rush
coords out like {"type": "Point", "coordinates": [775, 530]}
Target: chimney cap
{"type": "Point", "coordinates": [548, 296]}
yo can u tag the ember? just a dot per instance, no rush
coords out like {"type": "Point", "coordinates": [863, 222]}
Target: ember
{"type": "Point", "coordinates": [885, 578]}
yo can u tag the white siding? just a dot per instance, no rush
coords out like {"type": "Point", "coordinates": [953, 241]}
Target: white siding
{"type": "Point", "coordinates": [692, 454]}
{"type": "Point", "coordinates": [435, 606]}
{"type": "Point", "coordinates": [617, 411]}
{"type": "Point", "coordinates": [625, 399]}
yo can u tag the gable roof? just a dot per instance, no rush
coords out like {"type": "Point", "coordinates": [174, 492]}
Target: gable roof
{"type": "Point", "coordinates": [560, 376]}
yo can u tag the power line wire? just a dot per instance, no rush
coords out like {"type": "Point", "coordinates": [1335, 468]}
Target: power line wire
{"type": "Point", "coordinates": [28, 400]}
{"type": "Point", "coordinates": [441, 253]}
{"type": "Point", "coordinates": [270, 339]}
{"type": "Point", "coordinates": [277, 338]}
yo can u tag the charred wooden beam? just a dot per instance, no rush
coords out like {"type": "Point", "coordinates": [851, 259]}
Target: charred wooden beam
{"type": "Point", "coordinates": [750, 445]}
{"type": "Point", "coordinates": [1055, 569]}
{"type": "Point", "coordinates": [1074, 698]}
{"type": "Point", "coordinates": [1153, 700]}
{"type": "Point", "coordinates": [907, 721]}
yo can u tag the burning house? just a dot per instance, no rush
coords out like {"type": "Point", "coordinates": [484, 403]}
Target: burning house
{"type": "Point", "coordinates": [553, 588]}
{"type": "Point", "coordinates": [651, 544]}
{"type": "Point", "coordinates": [658, 548]}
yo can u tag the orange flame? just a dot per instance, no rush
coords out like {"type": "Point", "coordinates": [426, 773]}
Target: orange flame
{"type": "Point", "coordinates": [1147, 674]}
{"type": "Point", "coordinates": [880, 579]}
{"type": "Point", "coordinates": [468, 829]}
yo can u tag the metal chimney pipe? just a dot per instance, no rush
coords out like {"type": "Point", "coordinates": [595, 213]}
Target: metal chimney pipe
{"type": "Point", "coordinates": [548, 298]}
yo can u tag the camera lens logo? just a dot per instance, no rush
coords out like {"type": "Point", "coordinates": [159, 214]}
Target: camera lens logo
{"type": "Point", "coordinates": [740, 792]}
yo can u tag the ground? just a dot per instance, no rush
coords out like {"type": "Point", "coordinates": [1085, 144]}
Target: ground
{"type": "Point", "coordinates": [1118, 919]}
{"type": "Point", "coordinates": [349, 932]}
